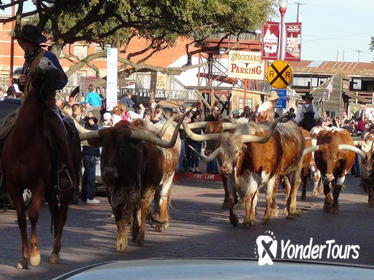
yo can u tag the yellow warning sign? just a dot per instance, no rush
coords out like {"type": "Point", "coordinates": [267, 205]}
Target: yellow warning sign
{"type": "Point", "coordinates": [279, 74]}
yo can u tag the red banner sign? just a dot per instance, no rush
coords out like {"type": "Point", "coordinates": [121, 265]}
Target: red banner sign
{"type": "Point", "coordinates": [293, 43]}
{"type": "Point", "coordinates": [270, 39]}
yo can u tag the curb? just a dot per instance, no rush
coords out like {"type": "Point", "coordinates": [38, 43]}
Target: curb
{"type": "Point", "coordinates": [197, 176]}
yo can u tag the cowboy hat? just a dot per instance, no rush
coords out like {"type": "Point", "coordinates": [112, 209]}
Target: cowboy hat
{"type": "Point", "coordinates": [30, 33]}
{"type": "Point", "coordinates": [307, 96]}
{"type": "Point", "coordinates": [273, 96]}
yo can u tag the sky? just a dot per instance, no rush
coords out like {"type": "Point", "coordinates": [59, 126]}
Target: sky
{"type": "Point", "coordinates": [330, 26]}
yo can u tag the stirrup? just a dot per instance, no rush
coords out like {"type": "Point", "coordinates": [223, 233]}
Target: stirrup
{"type": "Point", "coordinates": [61, 171]}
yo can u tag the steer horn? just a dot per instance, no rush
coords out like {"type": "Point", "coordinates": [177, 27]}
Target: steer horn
{"type": "Point", "coordinates": [352, 149]}
{"type": "Point", "coordinates": [166, 125]}
{"type": "Point", "coordinates": [265, 138]}
{"type": "Point", "coordinates": [198, 137]}
{"type": "Point", "coordinates": [310, 149]}
{"type": "Point", "coordinates": [204, 157]}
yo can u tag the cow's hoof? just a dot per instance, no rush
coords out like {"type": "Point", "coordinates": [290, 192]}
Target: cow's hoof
{"type": "Point", "coordinates": [22, 263]}
{"type": "Point", "coordinates": [274, 212]}
{"type": "Point", "coordinates": [326, 208]}
{"type": "Point", "coordinates": [35, 260]}
{"type": "Point", "coordinates": [53, 258]}
{"type": "Point", "coordinates": [285, 211]}
{"type": "Point", "coordinates": [234, 219]}
{"type": "Point", "coordinates": [140, 240]}
{"type": "Point", "coordinates": [303, 197]}
{"type": "Point", "coordinates": [248, 224]}
{"type": "Point", "coordinates": [334, 210]}
{"type": "Point", "coordinates": [121, 244]}
{"type": "Point", "coordinates": [295, 212]}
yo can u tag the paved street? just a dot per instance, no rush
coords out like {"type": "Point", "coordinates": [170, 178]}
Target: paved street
{"type": "Point", "coordinates": [199, 228]}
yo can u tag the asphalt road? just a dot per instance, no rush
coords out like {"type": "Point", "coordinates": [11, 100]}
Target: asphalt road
{"type": "Point", "coordinates": [199, 228]}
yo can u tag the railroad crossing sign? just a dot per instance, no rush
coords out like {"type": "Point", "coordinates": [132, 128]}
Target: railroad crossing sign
{"type": "Point", "coordinates": [279, 74]}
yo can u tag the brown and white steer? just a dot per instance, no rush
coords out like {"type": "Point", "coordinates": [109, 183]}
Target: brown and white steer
{"type": "Point", "coordinates": [334, 156]}
{"type": "Point", "coordinates": [136, 164]}
{"type": "Point", "coordinates": [310, 169]}
{"type": "Point", "coordinates": [256, 155]}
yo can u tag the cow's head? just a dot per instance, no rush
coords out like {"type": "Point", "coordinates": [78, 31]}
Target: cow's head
{"type": "Point", "coordinates": [329, 157]}
{"type": "Point", "coordinates": [231, 151]}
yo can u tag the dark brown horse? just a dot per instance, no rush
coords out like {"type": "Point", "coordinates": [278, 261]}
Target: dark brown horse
{"type": "Point", "coordinates": [29, 160]}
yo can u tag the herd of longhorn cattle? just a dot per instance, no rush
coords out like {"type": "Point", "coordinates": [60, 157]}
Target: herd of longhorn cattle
{"type": "Point", "coordinates": [138, 162]}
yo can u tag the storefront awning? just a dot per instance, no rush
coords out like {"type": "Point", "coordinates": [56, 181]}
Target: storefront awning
{"type": "Point", "coordinates": [357, 97]}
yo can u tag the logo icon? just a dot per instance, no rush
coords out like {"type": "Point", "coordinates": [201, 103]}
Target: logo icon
{"type": "Point", "coordinates": [267, 246]}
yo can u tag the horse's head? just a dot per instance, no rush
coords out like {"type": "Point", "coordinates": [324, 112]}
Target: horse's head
{"type": "Point", "coordinates": [44, 78]}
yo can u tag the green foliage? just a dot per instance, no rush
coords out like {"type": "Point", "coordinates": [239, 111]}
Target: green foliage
{"type": "Point", "coordinates": [114, 21]}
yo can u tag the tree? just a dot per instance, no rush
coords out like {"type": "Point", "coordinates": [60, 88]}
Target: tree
{"type": "Point", "coordinates": [371, 47]}
{"type": "Point", "coordinates": [117, 22]}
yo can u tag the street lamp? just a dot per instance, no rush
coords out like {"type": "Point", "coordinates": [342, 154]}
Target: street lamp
{"type": "Point", "coordinates": [282, 9]}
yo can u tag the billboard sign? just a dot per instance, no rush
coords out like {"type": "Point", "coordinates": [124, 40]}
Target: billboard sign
{"type": "Point", "coordinates": [246, 65]}
{"type": "Point", "coordinates": [293, 41]}
{"type": "Point", "coordinates": [270, 40]}
{"type": "Point", "coordinates": [111, 81]}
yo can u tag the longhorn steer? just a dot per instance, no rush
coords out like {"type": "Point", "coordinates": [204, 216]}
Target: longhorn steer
{"type": "Point", "coordinates": [309, 169]}
{"type": "Point", "coordinates": [135, 164]}
{"type": "Point", "coordinates": [254, 156]}
{"type": "Point", "coordinates": [334, 156]}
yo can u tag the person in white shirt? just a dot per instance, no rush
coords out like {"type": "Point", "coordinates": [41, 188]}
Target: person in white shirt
{"type": "Point", "coordinates": [308, 114]}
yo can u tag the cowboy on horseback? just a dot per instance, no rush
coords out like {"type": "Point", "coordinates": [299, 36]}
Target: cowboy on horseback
{"type": "Point", "coordinates": [30, 40]}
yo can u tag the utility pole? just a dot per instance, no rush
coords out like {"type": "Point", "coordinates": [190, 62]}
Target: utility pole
{"type": "Point", "coordinates": [11, 64]}
{"type": "Point", "coordinates": [298, 10]}
{"type": "Point", "coordinates": [358, 55]}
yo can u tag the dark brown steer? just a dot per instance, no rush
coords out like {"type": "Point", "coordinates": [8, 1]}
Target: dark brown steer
{"type": "Point", "coordinates": [135, 164]}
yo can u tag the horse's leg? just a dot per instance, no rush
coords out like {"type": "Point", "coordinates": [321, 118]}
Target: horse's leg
{"type": "Point", "coordinates": [37, 197]}
{"type": "Point", "coordinates": [59, 222]}
{"type": "Point", "coordinates": [17, 198]}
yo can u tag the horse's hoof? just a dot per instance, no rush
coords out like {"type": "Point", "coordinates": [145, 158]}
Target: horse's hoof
{"type": "Point", "coordinates": [303, 197]}
{"type": "Point", "coordinates": [226, 204]}
{"type": "Point", "coordinates": [22, 263]}
{"type": "Point", "coordinates": [53, 259]}
{"type": "Point", "coordinates": [35, 260]}
{"type": "Point", "coordinates": [121, 244]}
{"type": "Point", "coordinates": [267, 221]}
